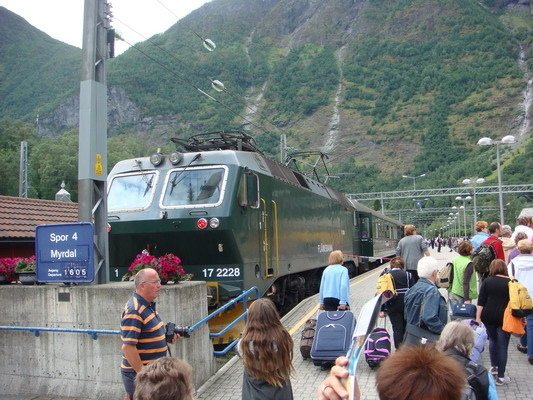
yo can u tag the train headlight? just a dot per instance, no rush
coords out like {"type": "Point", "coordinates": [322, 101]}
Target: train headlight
{"type": "Point", "coordinates": [214, 223]}
{"type": "Point", "coordinates": [156, 158]}
{"type": "Point", "coordinates": [175, 158]}
{"type": "Point", "coordinates": [201, 223]}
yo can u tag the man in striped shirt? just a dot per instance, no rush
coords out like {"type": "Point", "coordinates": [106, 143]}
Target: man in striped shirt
{"type": "Point", "coordinates": [142, 331]}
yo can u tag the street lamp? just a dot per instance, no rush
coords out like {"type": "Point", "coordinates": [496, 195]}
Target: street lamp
{"type": "Point", "coordinates": [473, 183]}
{"type": "Point", "coordinates": [464, 200]}
{"type": "Point", "coordinates": [414, 178]}
{"type": "Point", "coordinates": [485, 141]}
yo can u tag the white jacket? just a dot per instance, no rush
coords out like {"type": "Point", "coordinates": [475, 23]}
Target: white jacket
{"type": "Point", "coordinates": [523, 270]}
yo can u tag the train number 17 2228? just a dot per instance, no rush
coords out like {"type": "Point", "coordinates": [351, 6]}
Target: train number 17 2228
{"type": "Point", "coordinates": [221, 272]}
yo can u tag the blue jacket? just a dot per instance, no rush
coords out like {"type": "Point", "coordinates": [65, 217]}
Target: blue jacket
{"type": "Point", "coordinates": [425, 307]}
{"type": "Point", "coordinates": [335, 283]}
{"type": "Point", "coordinates": [478, 238]}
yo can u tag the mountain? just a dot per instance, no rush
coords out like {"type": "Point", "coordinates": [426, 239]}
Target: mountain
{"type": "Point", "coordinates": [385, 87]}
{"type": "Point", "coordinates": [36, 71]}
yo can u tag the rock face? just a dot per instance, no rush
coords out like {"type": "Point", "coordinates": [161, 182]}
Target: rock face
{"type": "Point", "coordinates": [120, 111]}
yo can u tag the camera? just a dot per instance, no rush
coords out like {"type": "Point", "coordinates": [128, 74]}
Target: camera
{"type": "Point", "coordinates": [171, 329]}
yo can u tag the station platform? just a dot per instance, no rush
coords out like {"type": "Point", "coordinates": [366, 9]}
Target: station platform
{"type": "Point", "coordinates": [226, 384]}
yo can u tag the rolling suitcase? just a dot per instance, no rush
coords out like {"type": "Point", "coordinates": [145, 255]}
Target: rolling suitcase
{"type": "Point", "coordinates": [333, 335]}
{"type": "Point", "coordinates": [377, 347]}
{"type": "Point", "coordinates": [306, 339]}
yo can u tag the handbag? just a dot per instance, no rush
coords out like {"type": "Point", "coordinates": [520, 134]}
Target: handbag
{"type": "Point", "coordinates": [464, 310]}
{"type": "Point", "coordinates": [512, 324]}
{"type": "Point", "coordinates": [416, 335]}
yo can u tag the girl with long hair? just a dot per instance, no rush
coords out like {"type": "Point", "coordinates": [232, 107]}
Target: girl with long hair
{"type": "Point", "coordinates": [266, 349]}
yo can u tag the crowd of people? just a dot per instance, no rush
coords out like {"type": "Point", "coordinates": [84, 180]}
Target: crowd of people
{"type": "Point", "coordinates": [430, 336]}
{"type": "Point", "coordinates": [433, 356]}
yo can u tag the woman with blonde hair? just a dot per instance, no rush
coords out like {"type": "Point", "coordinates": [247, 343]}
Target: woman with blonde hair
{"type": "Point", "coordinates": [266, 349]}
{"type": "Point", "coordinates": [492, 301]}
{"type": "Point", "coordinates": [457, 341]}
{"type": "Point", "coordinates": [335, 284]}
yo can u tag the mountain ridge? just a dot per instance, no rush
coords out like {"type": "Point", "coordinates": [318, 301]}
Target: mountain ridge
{"type": "Point", "coordinates": [367, 81]}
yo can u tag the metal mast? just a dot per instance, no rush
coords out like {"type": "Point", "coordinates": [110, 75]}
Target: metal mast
{"type": "Point", "coordinates": [23, 168]}
{"type": "Point", "coordinates": [92, 157]}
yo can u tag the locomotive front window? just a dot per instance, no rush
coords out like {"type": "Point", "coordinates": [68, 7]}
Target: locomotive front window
{"type": "Point", "coordinates": [194, 186]}
{"type": "Point", "coordinates": [131, 192]}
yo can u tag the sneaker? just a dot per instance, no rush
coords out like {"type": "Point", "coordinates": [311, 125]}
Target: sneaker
{"type": "Point", "coordinates": [494, 370]}
{"type": "Point", "coordinates": [502, 381]}
{"type": "Point", "coordinates": [521, 349]}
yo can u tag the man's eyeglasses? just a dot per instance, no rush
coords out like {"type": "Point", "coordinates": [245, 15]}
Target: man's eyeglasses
{"type": "Point", "coordinates": [153, 282]}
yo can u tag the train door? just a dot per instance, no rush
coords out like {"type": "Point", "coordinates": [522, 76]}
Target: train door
{"type": "Point", "coordinates": [356, 234]}
{"type": "Point", "coordinates": [365, 233]}
{"type": "Point", "coordinates": [269, 234]}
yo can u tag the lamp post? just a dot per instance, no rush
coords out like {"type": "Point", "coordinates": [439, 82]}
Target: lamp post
{"type": "Point", "coordinates": [485, 141]}
{"type": "Point", "coordinates": [473, 183]}
{"type": "Point", "coordinates": [464, 200]}
{"type": "Point", "coordinates": [414, 178]}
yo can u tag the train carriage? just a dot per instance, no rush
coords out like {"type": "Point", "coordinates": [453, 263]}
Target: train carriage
{"type": "Point", "coordinates": [236, 219]}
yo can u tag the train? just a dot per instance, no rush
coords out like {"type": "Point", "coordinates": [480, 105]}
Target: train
{"type": "Point", "coordinates": [238, 219]}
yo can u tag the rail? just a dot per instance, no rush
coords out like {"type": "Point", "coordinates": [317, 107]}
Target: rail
{"type": "Point", "coordinates": [95, 332]}
{"type": "Point", "coordinates": [244, 295]}
{"type": "Point", "coordinates": [37, 330]}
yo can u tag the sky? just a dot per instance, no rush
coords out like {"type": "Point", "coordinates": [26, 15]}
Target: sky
{"type": "Point", "coordinates": [63, 19]}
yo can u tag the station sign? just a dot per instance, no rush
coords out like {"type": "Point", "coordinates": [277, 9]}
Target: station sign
{"type": "Point", "coordinates": [65, 252]}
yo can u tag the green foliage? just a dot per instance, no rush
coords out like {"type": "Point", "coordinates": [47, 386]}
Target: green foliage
{"type": "Point", "coordinates": [11, 134]}
{"type": "Point", "coordinates": [302, 82]}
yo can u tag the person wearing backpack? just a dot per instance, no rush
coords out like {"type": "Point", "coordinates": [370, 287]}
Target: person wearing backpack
{"type": "Point", "coordinates": [492, 302]}
{"type": "Point", "coordinates": [394, 308]}
{"type": "Point", "coordinates": [494, 240]}
{"type": "Point", "coordinates": [521, 268]}
{"type": "Point", "coordinates": [457, 341]}
{"type": "Point", "coordinates": [464, 283]}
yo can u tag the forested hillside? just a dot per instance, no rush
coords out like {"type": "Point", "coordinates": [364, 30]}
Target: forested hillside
{"type": "Point", "coordinates": [385, 87]}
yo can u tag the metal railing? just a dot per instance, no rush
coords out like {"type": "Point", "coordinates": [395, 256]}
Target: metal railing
{"type": "Point", "coordinates": [244, 297]}
{"type": "Point", "coordinates": [37, 330]}
{"type": "Point", "coordinates": [95, 332]}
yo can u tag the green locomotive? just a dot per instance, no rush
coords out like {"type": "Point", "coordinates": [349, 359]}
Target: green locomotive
{"type": "Point", "coordinates": [238, 219]}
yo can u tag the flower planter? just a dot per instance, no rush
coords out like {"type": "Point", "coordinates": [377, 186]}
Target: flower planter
{"type": "Point", "coordinates": [3, 279]}
{"type": "Point", "coordinates": [27, 278]}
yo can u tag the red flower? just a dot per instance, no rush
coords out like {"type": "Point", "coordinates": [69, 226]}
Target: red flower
{"type": "Point", "coordinates": [168, 266]}
{"type": "Point", "coordinates": [7, 268]}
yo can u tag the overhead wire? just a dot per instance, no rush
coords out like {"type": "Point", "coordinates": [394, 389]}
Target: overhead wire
{"type": "Point", "coordinates": [175, 74]}
{"type": "Point", "coordinates": [184, 80]}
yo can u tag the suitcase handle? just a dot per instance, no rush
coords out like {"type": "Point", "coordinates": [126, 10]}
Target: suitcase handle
{"type": "Point", "coordinates": [332, 315]}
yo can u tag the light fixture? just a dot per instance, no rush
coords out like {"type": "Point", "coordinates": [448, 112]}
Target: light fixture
{"type": "Point", "coordinates": [156, 158]}
{"type": "Point", "coordinates": [175, 158]}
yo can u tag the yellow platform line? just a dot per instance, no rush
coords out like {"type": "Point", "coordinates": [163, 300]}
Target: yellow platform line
{"type": "Point", "coordinates": [314, 310]}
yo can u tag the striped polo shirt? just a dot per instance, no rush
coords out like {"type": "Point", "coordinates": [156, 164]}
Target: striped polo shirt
{"type": "Point", "coordinates": [141, 326]}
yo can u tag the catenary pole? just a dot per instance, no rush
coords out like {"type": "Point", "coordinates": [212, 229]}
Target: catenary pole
{"type": "Point", "coordinates": [92, 154]}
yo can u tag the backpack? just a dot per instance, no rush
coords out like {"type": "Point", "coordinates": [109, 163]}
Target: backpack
{"type": "Point", "coordinates": [386, 283]}
{"type": "Point", "coordinates": [519, 299]}
{"type": "Point", "coordinates": [482, 257]}
{"type": "Point", "coordinates": [478, 381]}
{"type": "Point", "coordinates": [377, 347]}
{"type": "Point", "coordinates": [445, 276]}
{"type": "Point", "coordinates": [306, 339]}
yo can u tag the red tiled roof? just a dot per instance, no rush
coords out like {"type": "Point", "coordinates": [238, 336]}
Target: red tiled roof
{"type": "Point", "coordinates": [20, 216]}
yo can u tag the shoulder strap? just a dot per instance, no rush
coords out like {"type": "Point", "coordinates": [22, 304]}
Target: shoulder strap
{"type": "Point", "coordinates": [512, 269]}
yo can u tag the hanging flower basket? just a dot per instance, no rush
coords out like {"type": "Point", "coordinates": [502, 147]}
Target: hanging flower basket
{"type": "Point", "coordinates": [168, 267]}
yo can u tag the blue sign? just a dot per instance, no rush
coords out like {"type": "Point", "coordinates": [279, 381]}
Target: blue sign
{"type": "Point", "coordinates": [65, 252]}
